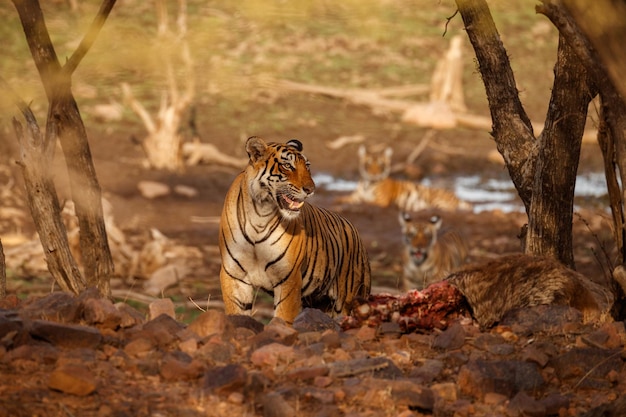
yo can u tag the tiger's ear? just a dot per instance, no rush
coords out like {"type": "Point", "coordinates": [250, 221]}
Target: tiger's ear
{"type": "Point", "coordinates": [388, 152]}
{"type": "Point", "coordinates": [296, 144]}
{"type": "Point", "coordinates": [256, 147]}
{"type": "Point", "coordinates": [362, 151]}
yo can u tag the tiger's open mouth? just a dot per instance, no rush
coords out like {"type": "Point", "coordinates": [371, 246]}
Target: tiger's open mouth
{"type": "Point", "coordinates": [418, 256]}
{"type": "Point", "coordinates": [288, 202]}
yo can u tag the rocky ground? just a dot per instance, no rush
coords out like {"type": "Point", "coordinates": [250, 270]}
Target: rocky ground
{"type": "Point", "coordinates": [85, 356]}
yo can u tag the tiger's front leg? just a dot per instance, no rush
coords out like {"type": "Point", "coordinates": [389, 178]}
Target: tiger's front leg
{"type": "Point", "coordinates": [237, 295]}
{"type": "Point", "coordinates": [288, 298]}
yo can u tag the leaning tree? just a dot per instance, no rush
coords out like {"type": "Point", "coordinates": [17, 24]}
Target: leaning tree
{"type": "Point", "coordinates": [63, 123]}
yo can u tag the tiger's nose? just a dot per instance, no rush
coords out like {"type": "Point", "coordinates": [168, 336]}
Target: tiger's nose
{"type": "Point", "coordinates": [309, 188]}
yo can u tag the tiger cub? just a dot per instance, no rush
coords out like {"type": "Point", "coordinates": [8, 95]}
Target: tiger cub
{"type": "Point", "coordinates": [271, 238]}
{"type": "Point", "coordinates": [428, 255]}
{"type": "Point", "coordinates": [377, 188]}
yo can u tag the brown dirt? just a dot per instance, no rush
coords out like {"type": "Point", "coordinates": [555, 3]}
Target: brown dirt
{"type": "Point", "coordinates": [119, 164]}
{"type": "Point", "coordinates": [118, 161]}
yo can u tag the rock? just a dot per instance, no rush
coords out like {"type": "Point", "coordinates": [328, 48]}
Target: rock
{"type": "Point", "coordinates": [608, 336]}
{"type": "Point", "coordinates": [225, 379]}
{"type": "Point", "coordinates": [271, 355]}
{"type": "Point", "coordinates": [523, 405]}
{"type": "Point", "coordinates": [70, 336]}
{"type": "Point", "coordinates": [314, 320]}
{"type": "Point", "coordinates": [543, 318]}
{"type": "Point", "coordinates": [447, 391]}
{"type": "Point", "coordinates": [451, 338]}
{"type": "Point", "coordinates": [162, 330]}
{"type": "Point", "coordinates": [428, 371]}
{"type": "Point", "coordinates": [282, 332]}
{"type": "Point", "coordinates": [532, 354]}
{"type": "Point", "coordinates": [317, 395]}
{"type": "Point", "coordinates": [275, 332]}
{"type": "Point", "coordinates": [185, 191]}
{"type": "Point", "coordinates": [615, 408]}
{"type": "Point", "coordinates": [412, 395]}
{"type": "Point", "coordinates": [589, 367]}
{"type": "Point", "coordinates": [353, 367]}
{"type": "Point", "coordinates": [208, 323]}
{"type": "Point", "coordinates": [554, 402]}
{"type": "Point", "coordinates": [130, 316]}
{"type": "Point", "coordinates": [41, 354]}
{"type": "Point", "coordinates": [274, 405]}
{"type": "Point", "coordinates": [72, 379]}
{"type": "Point", "coordinates": [153, 189]}
{"type": "Point", "coordinates": [307, 373]}
{"type": "Point", "coordinates": [366, 333]}
{"type": "Point", "coordinates": [246, 322]}
{"type": "Point", "coordinates": [188, 346]}
{"type": "Point", "coordinates": [479, 377]}
{"type": "Point", "coordinates": [57, 306]}
{"type": "Point", "coordinates": [217, 351]}
{"type": "Point", "coordinates": [179, 366]}
{"type": "Point", "coordinates": [101, 313]}
{"type": "Point", "coordinates": [161, 306]}
{"type": "Point", "coordinates": [10, 325]}
{"type": "Point", "coordinates": [139, 347]}
{"type": "Point", "coordinates": [389, 328]}
{"type": "Point", "coordinates": [331, 339]}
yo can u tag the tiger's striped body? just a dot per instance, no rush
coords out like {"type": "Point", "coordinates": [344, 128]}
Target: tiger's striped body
{"type": "Point", "coordinates": [377, 188]}
{"type": "Point", "coordinates": [428, 255]}
{"type": "Point", "coordinates": [271, 239]}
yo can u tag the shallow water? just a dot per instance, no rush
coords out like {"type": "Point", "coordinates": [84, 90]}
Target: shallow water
{"type": "Point", "coordinates": [484, 193]}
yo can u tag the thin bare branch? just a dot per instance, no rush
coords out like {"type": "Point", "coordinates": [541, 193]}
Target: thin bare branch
{"type": "Point", "coordinates": [89, 38]}
{"type": "Point", "coordinates": [138, 108]}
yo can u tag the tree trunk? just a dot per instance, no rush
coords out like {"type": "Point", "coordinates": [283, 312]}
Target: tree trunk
{"type": "Point", "coordinates": [44, 205]}
{"type": "Point", "coordinates": [603, 23]}
{"type": "Point", "coordinates": [552, 203]}
{"type": "Point", "coordinates": [65, 121]}
{"type": "Point", "coordinates": [512, 129]}
{"type": "Point", "coordinates": [543, 171]}
{"type": "Point", "coordinates": [3, 273]}
{"type": "Point", "coordinates": [612, 136]}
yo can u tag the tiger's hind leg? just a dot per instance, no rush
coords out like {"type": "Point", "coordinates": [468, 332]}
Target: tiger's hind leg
{"type": "Point", "coordinates": [238, 296]}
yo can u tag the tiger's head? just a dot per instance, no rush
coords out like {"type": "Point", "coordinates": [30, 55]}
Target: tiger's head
{"type": "Point", "coordinates": [419, 236]}
{"type": "Point", "coordinates": [280, 175]}
{"type": "Point", "coordinates": [374, 164]}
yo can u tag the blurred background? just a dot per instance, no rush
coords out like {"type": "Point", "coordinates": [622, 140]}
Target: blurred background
{"type": "Point", "coordinates": [281, 70]}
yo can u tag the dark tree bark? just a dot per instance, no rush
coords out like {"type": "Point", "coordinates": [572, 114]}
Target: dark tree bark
{"type": "Point", "coordinates": [552, 203]}
{"type": "Point", "coordinates": [604, 24]}
{"type": "Point", "coordinates": [44, 204]}
{"type": "Point", "coordinates": [512, 129]}
{"type": "Point", "coordinates": [64, 121]}
{"type": "Point", "coordinates": [612, 137]}
{"type": "Point", "coordinates": [543, 170]}
{"type": "Point", "coordinates": [3, 273]}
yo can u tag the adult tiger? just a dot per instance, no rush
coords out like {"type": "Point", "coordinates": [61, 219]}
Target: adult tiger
{"type": "Point", "coordinates": [376, 187]}
{"type": "Point", "coordinates": [270, 238]}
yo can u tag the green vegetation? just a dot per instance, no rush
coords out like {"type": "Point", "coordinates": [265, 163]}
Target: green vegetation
{"type": "Point", "coordinates": [241, 48]}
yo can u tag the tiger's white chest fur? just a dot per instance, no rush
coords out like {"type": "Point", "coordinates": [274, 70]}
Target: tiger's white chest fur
{"type": "Point", "coordinates": [259, 245]}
